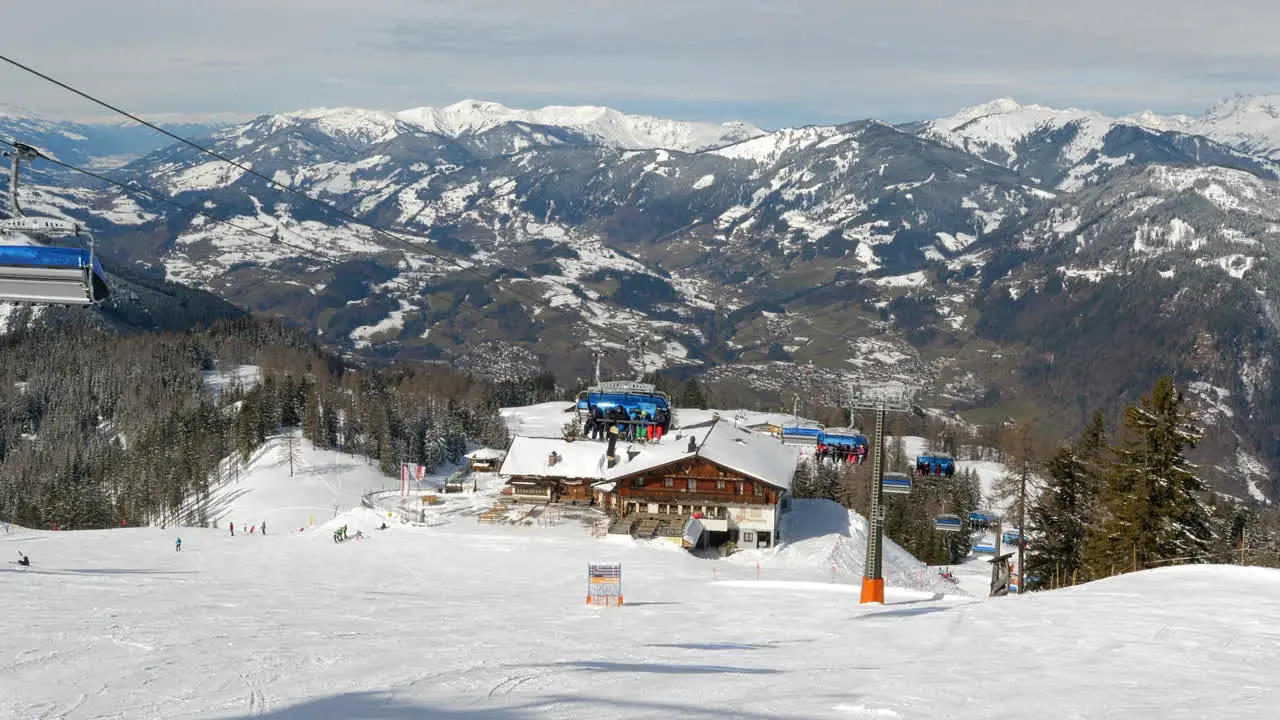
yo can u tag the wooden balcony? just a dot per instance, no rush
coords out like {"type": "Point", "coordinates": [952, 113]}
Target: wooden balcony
{"type": "Point", "coordinates": [693, 497]}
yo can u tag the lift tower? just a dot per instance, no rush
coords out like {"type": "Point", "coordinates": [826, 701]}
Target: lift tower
{"type": "Point", "coordinates": [881, 401]}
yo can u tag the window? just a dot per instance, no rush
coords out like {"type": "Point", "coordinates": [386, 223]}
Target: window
{"type": "Point", "coordinates": [759, 490]}
{"type": "Point", "coordinates": [719, 484]}
{"type": "Point", "coordinates": [693, 484]}
{"type": "Point", "coordinates": [741, 489]}
{"type": "Point", "coordinates": [637, 482]}
{"type": "Point", "coordinates": [749, 536]}
{"type": "Point", "coordinates": [668, 482]}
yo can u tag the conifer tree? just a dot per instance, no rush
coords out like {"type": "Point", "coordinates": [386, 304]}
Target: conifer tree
{"type": "Point", "coordinates": [691, 395]}
{"type": "Point", "coordinates": [313, 416]}
{"type": "Point", "coordinates": [1064, 511]}
{"type": "Point", "coordinates": [802, 486]}
{"type": "Point", "coordinates": [826, 482]}
{"type": "Point", "coordinates": [1153, 510]}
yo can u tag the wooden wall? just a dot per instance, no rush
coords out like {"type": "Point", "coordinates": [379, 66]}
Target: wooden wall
{"type": "Point", "coordinates": [670, 484]}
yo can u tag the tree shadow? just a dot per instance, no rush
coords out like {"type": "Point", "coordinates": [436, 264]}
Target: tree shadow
{"type": "Point", "coordinates": [661, 668]}
{"type": "Point", "coordinates": [711, 646]}
{"type": "Point", "coordinates": [383, 706]}
{"type": "Point", "coordinates": [933, 598]}
{"type": "Point", "coordinates": [375, 706]}
{"type": "Point", "coordinates": [659, 602]}
{"type": "Point", "coordinates": [905, 612]}
{"type": "Point", "coordinates": [96, 571]}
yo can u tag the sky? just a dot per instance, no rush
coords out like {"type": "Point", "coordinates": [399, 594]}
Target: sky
{"type": "Point", "coordinates": [772, 63]}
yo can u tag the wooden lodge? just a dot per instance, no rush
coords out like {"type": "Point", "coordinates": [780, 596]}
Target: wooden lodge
{"type": "Point", "coordinates": [735, 482]}
{"type": "Point", "coordinates": [485, 460]}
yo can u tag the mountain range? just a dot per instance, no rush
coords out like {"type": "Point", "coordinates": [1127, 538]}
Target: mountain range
{"type": "Point", "coordinates": [1010, 259]}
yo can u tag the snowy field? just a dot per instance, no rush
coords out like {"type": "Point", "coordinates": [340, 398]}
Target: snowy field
{"type": "Point", "coordinates": [452, 618]}
{"type": "Point", "coordinates": [466, 620]}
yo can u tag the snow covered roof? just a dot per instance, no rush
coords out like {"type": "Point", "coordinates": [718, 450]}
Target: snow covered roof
{"type": "Point", "coordinates": [531, 457]}
{"type": "Point", "coordinates": [779, 420]}
{"type": "Point", "coordinates": [487, 454]}
{"type": "Point", "coordinates": [755, 455]}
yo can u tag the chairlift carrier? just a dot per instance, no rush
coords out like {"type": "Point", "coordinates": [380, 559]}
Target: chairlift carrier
{"type": "Point", "coordinates": [896, 483]}
{"type": "Point", "coordinates": [948, 523]}
{"type": "Point", "coordinates": [43, 274]}
{"type": "Point", "coordinates": [804, 436]}
{"type": "Point", "coordinates": [842, 436]}
{"type": "Point", "coordinates": [626, 394]}
{"type": "Point", "coordinates": [982, 517]}
{"type": "Point", "coordinates": [943, 460]}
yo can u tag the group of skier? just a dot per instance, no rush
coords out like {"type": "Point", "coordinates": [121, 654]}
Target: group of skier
{"type": "Point", "coordinates": [842, 453]}
{"type": "Point", "coordinates": [251, 528]}
{"type": "Point", "coordinates": [924, 468]}
{"type": "Point", "coordinates": [635, 425]}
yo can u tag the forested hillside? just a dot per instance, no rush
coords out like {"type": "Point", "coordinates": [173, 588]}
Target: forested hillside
{"type": "Point", "coordinates": [98, 429]}
{"type": "Point", "coordinates": [1116, 500]}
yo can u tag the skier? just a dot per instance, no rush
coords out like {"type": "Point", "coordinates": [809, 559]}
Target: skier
{"type": "Point", "coordinates": [177, 545]}
{"type": "Point", "coordinates": [264, 527]}
{"type": "Point", "coordinates": [25, 561]}
{"type": "Point", "coordinates": [233, 529]}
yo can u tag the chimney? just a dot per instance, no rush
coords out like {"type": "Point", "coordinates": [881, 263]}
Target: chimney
{"type": "Point", "coordinates": [693, 444]}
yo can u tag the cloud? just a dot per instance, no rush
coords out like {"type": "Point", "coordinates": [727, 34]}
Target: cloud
{"type": "Point", "coordinates": [781, 63]}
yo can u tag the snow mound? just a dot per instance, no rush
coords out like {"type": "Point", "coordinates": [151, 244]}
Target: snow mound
{"type": "Point", "coordinates": [820, 535]}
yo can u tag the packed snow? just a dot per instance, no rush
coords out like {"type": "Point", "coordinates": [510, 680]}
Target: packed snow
{"type": "Point", "coordinates": [453, 617]}
{"type": "Point", "coordinates": [466, 619]}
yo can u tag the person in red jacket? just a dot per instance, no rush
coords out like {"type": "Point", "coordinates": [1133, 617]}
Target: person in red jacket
{"type": "Point", "coordinates": [233, 529]}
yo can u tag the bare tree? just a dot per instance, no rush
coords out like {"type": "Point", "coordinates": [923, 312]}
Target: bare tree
{"type": "Point", "coordinates": [295, 453]}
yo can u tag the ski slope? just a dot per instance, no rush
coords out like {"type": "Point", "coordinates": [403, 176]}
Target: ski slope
{"type": "Point", "coordinates": [453, 618]}
{"type": "Point", "coordinates": [469, 620]}
{"type": "Point", "coordinates": [324, 483]}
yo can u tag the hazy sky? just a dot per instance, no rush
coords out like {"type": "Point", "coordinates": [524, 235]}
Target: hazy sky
{"type": "Point", "coordinates": [772, 63]}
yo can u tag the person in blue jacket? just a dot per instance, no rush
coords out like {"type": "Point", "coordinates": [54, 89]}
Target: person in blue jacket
{"type": "Point", "coordinates": [177, 545]}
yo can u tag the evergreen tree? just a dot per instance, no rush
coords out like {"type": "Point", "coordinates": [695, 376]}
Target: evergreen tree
{"type": "Point", "coordinates": [804, 485]}
{"type": "Point", "coordinates": [1153, 510]}
{"type": "Point", "coordinates": [313, 416]}
{"type": "Point", "coordinates": [691, 395]}
{"type": "Point", "coordinates": [1062, 514]}
{"type": "Point", "coordinates": [826, 482]}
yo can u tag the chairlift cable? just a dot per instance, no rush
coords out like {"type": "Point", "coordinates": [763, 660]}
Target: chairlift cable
{"type": "Point", "coordinates": [536, 302]}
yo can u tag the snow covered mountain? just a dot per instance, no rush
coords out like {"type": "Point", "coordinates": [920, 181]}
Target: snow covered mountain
{"type": "Point", "coordinates": [492, 129]}
{"type": "Point", "coordinates": [1071, 148]}
{"type": "Point", "coordinates": [98, 145]}
{"type": "Point", "coordinates": [960, 254]}
{"type": "Point", "coordinates": [604, 126]}
{"type": "Point", "coordinates": [1248, 123]}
